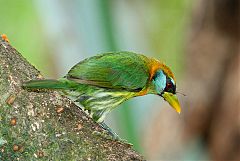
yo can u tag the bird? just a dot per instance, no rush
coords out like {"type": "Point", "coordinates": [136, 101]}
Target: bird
{"type": "Point", "coordinates": [100, 83]}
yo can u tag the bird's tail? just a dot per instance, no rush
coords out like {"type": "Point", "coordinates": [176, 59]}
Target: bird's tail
{"type": "Point", "coordinates": [47, 84]}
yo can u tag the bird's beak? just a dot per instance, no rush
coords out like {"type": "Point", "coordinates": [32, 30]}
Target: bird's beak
{"type": "Point", "coordinates": [172, 100]}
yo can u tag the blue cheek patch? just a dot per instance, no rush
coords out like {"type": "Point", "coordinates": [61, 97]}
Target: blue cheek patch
{"type": "Point", "coordinates": [160, 81]}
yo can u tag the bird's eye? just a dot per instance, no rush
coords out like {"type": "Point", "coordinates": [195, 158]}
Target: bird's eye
{"type": "Point", "coordinates": [170, 87]}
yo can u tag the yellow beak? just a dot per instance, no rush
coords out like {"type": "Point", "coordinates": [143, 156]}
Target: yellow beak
{"type": "Point", "coordinates": [172, 100]}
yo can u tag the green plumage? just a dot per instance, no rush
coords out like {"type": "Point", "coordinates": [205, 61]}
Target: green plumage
{"type": "Point", "coordinates": [112, 70]}
{"type": "Point", "coordinates": [102, 82]}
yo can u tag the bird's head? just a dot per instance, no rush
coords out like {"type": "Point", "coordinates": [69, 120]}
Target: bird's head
{"type": "Point", "coordinates": [165, 86]}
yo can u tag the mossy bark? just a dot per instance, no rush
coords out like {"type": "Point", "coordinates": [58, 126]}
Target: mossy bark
{"type": "Point", "coordinates": [43, 125]}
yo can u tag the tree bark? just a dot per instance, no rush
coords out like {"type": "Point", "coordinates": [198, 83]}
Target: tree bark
{"type": "Point", "coordinates": [45, 125]}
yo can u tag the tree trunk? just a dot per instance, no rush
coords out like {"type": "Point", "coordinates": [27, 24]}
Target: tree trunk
{"type": "Point", "coordinates": [44, 124]}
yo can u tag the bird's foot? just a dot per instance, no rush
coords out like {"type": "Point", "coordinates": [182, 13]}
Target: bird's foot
{"type": "Point", "coordinates": [113, 135]}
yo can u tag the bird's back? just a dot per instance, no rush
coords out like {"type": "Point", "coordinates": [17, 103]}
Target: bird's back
{"type": "Point", "coordinates": [122, 70]}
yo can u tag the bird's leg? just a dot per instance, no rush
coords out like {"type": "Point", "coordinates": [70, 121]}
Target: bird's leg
{"type": "Point", "coordinates": [113, 134]}
{"type": "Point", "coordinates": [110, 131]}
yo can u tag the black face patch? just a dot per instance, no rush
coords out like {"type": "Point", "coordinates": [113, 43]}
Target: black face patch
{"type": "Point", "coordinates": [170, 86]}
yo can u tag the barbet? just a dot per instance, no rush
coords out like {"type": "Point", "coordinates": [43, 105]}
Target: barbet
{"type": "Point", "coordinates": [102, 82]}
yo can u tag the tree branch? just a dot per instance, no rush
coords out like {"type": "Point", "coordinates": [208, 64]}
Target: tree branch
{"type": "Point", "coordinates": [45, 124]}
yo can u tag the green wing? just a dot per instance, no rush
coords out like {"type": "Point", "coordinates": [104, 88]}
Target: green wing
{"type": "Point", "coordinates": [112, 70]}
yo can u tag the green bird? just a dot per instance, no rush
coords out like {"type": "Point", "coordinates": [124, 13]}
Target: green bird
{"type": "Point", "coordinates": [102, 82]}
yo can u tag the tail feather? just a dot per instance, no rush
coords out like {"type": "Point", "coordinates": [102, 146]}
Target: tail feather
{"type": "Point", "coordinates": [45, 84]}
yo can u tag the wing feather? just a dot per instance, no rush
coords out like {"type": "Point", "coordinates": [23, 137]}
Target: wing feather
{"type": "Point", "coordinates": [112, 70]}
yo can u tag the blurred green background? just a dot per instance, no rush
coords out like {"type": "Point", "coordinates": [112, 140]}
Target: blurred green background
{"type": "Point", "coordinates": [55, 35]}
